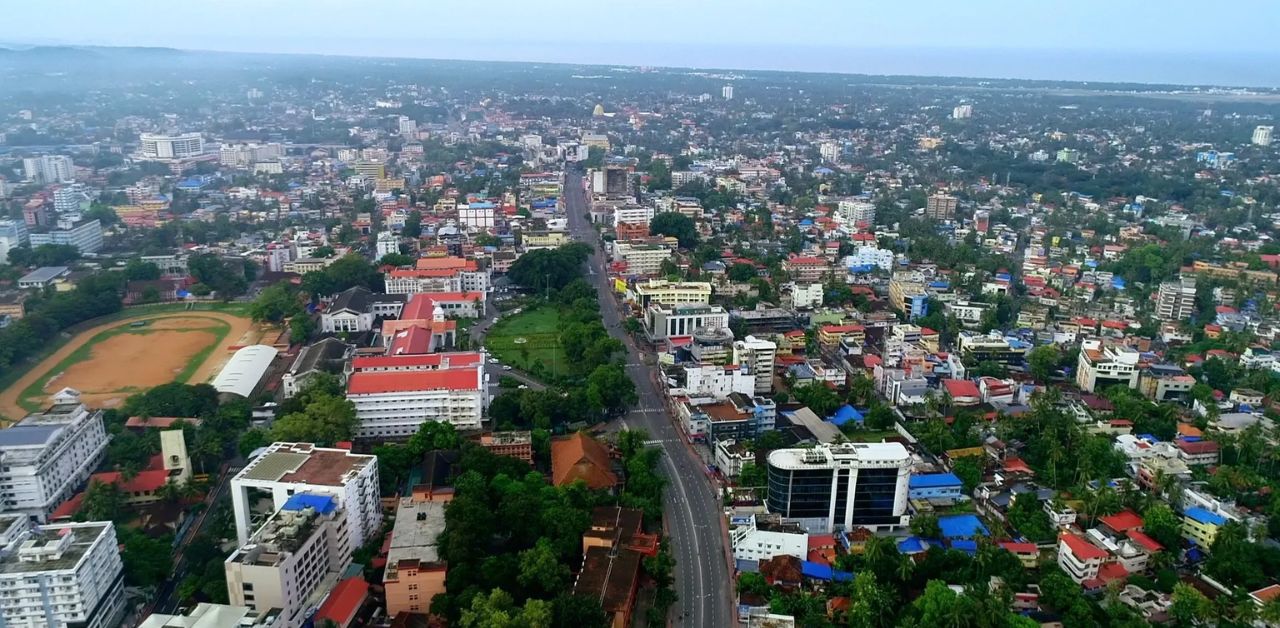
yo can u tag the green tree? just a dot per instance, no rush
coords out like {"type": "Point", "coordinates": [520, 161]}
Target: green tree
{"type": "Point", "coordinates": [818, 397]}
{"type": "Point", "coordinates": [325, 420]}
{"type": "Point", "coordinates": [676, 225]}
{"type": "Point", "coordinates": [138, 270]}
{"type": "Point", "coordinates": [610, 389]}
{"type": "Point", "coordinates": [1042, 361]}
{"type": "Point", "coordinates": [541, 573]}
{"type": "Point", "coordinates": [1189, 607]}
{"type": "Point", "coordinates": [741, 271]}
{"type": "Point", "coordinates": [1162, 524]}
{"type": "Point", "coordinates": [412, 224]}
{"type": "Point", "coordinates": [274, 304]}
{"type": "Point", "coordinates": [253, 440]}
{"type": "Point", "coordinates": [396, 259]}
{"type": "Point", "coordinates": [969, 470]}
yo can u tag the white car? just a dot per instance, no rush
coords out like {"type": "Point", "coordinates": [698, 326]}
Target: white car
{"type": "Point", "coordinates": [506, 367]}
{"type": "Point", "coordinates": [493, 360]}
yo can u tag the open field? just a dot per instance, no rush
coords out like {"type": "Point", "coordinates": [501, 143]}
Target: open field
{"type": "Point", "coordinates": [527, 338]}
{"type": "Point", "coordinates": [111, 361]}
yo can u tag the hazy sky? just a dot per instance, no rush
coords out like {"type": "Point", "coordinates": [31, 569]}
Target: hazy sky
{"type": "Point", "coordinates": [781, 34]}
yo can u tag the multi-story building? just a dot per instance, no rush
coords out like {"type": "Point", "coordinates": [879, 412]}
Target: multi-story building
{"type": "Point", "coordinates": [663, 292]}
{"type": "Point", "coordinates": [969, 313]}
{"type": "Point", "coordinates": [909, 295]}
{"type": "Point", "coordinates": [1262, 135]}
{"type": "Point", "coordinates": [641, 259]}
{"type": "Point", "coordinates": [415, 571]}
{"type": "Point", "coordinates": [479, 215]}
{"type": "Point", "coordinates": [371, 169]}
{"type": "Point", "coordinates": [758, 356]}
{"type": "Point", "coordinates": [632, 215]}
{"type": "Point", "coordinates": [85, 235]}
{"type": "Point", "coordinates": [962, 112]}
{"type": "Point", "coordinates": [286, 469]}
{"type": "Point", "coordinates": [1165, 382]}
{"type": "Point", "coordinates": [870, 257]}
{"type": "Point", "coordinates": [1079, 558]}
{"type": "Point", "coordinates": [514, 444]}
{"type": "Point", "coordinates": [206, 615]}
{"type": "Point", "coordinates": [856, 212]}
{"type": "Point", "coordinates": [1201, 525]}
{"type": "Point", "coordinates": [1099, 366]}
{"type": "Point", "coordinates": [993, 347]}
{"type": "Point", "coordinates": [156, 146]}
{"type": "Point", "coordinates": [717, 381]}
{"type": "Point", "coordinates": [663, 322]}
{"type": "Point", "coordinates": [757, 537]}
{"type": "Point", "coordinates": [394, 404]}
{"type": "Point", "coordinates": [806, 269]}
{"type": "Point", "coordinates": [845, 485]}
{"type": "Point", "coordinates": [940, 207]}
{"type": "Point", "coordinates": [46, 456]}
{"type": "Point", "coordinates": [13, 234]}
{"type": "Point", "coordinates": [62, 576]}
{"type": "Point", "coordinates": [292, 562]}
{"type": "Point", "coordinates": [69, 198]}
{"type": "Point", "coordinates": [439, 274]}
{"type": "Point", "coordinates": [49, 169]}
{"type": "Point", "coordinates": [1176, 300]}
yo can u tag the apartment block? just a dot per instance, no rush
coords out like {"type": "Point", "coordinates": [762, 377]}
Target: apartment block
{"type": "Point", "coordinates": [46, 456]}
{"type": "Point", "coordinates": [61, 576]}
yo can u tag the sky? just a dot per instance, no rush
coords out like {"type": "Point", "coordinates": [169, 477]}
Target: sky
{"type": "Point", "coordinates": [1139, 40]}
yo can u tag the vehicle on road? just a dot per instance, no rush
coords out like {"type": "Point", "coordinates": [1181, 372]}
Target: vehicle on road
{"type": "Point", "coordinates": [493, 360]}
{"type": "Point", "coordinates": [506, 367]}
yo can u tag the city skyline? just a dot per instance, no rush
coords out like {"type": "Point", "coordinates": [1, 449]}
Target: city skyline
{"type": "Point", "coordinates": [1086, 41]}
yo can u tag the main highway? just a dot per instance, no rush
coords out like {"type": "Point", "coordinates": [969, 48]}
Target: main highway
{"type": "Point", "coordinates": [693, 519]}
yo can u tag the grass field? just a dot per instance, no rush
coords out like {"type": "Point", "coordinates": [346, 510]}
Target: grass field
{"type": "Point", "coordinates": [109, 359]}
{"type": "Point", "coordinates": [870, 436]}
{"type": "Point", "coordinates": [527, 338]}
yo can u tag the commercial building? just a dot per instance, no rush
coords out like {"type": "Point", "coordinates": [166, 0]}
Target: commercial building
{"type": "Point", "coordinates": [293, 561]}
{"type": "Point", "coordinates": [13, 234]}
{"type": "Point", "coordinates": [1099, 366]}
{"type": "Point", "coordinates": [869, 257]}
{"type": "Point", "coordinates": [42, 277]}
{"type": "Point", "coordinates": [1176, 300]}
{"type": "Point", "coordinates": [805, 269]}
{"type": "Point", "coordinates": [641, 259]}
{"type": "Point", "coordinates": [1165, 382]}
{"type": "Point", "coordinates": [669, 293]}
{"type": "Point", "coordinates": [632, 215]}
{"type": "Point", "coordinates": [663, 322]}
{"type": "Point", "coordinates": [166, 147]}
{"type": "Point", "coordinates": [993, 347]}
{"type": "Point", "coordinates": [289, 468]}
{"type": "Point", "coordinates": [415, 572]}
{"type": "Point", "coordinates": [940, 207]}
{"type": "Point", "coordinates": [1262, 135]}
{"type": "Point", "coordinates": [757, 537]}
{"type": "Point", "coordinates": [478, 215]}
{"type": "Point", "coordinates": [909, 295]}
{"type": "Point", "coordinates": [46, 456]}
{"type": "Point", "coordinates": [758, 356]}
{"type": "Point", "coordinates": [844, 485]}
{"type": "Point", "coordinates": [85, 235]}
{"type": "Point", "coordinates": [64, 575]}
{"type": "Point", "coordinates": [718, 381]}
{"type": "Point", "coordinates": [854, 212]}
{"type": "Point", "coordinates": [391, 404]}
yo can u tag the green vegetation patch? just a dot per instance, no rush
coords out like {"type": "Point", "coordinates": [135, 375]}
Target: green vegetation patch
{"type": "Point", "coordinates": [527, 338]}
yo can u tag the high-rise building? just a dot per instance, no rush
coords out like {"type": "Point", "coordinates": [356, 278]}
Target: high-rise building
{"type": "Point", "coordinates": [940, 207]}
{"type": "Point", "coordinates": [830, 151]}
{"type": "Point", "coordinates": [72, 230]}
{"type": "Point", "coordinates": [13, 234]}
{"type": "Point", "coordinates": [962, 112]}
{"type": "Point", "coordinates": [856, 212]}
{"type": "Point", "coordinates": [49, 169]}
{"type": "Point", "coordinates": [1176, 300]}
{"type": "Point", "coordinates": [415, 571]}
{"type": "Point", "coordinates": [287, 562]}
{"type": "Point", "coordinates": [69, 198]}
{"type": "Point", "coordinates": [727, 92]}
{"type": "Point", "coordinates": [60, 575]}
{"type": "Point", "coordinates": [848, 485]}
{"type": "Point", "coordinates": [758, 356]}
{"type": "Point", "coordinates": [1262, 135]}
{"type": "Point", "coordinates": [157, 146]}
{"type": "Point", "coordinates": [289, 468]}
{"type": "Point", "coordinates": [48, 455]}
{"type": "Point", "coordinates": [407, 127]}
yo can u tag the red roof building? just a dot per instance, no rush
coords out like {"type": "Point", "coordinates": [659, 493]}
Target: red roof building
{"type": "Point", "coordinates": [344, 602]}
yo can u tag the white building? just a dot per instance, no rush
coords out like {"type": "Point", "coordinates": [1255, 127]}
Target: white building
{"type": "Point", "coordinates": [854, 212]}
{"type": "Point", "coordinates": [49, 169]}
{"type": "Point", "coordinates": [60, 576]}
{"type": "Point", "coordinates": [477, 216]}
{"type": "Point", "coordinates": [1176, 300]}
{"type": "Point", "coordinates": [758, 356]}
{"type": "Point", "coordinates": [663, 322]}
{"type": "Point", "coordinates": [869, 480]}
{"type": "Point", "coordinates": [69, 198]}
{"type": "Point", "coordinates": [806, 296]}
{"type": "Point", "coordinates": [829, 151]}
{"type": "Point", "coordinates": [1079, 558]}
{"type": "Point", "coordinates": [632, 215]}
{"type": "Point", "coordinates": [406, 126]}
{"type": "Point", "coordinates": [641, 259]}
{"type": "Point", "coordinates": [962, 112]}
{"type": "Point", "coordinates": [394, 404]}
{"type": "Point", "coordinates": [48, 455]}
{"type": "Point", "coordinates": [289, 468]}
{"type": "Point", "coordinates": [157, 146]}
{"type": "Point", "coordinates": [206, 615]}
{"type": "Point", "coordinates": [293, 561]}
{"type": "Point", "coordinates": [870, 256]}
{"type": "Point", "coordinates": [1099, 367]}
{"type": "Point", "coordinates": [1262, 135]}
{"type": "Point", "coordinates": [246, 368]}
{"type": "Point", "coordinates": [85, 235]}
{"type": "Point", "coordinates": [969, 313]}
{"type": "Point", "coordinates": [13, 234]}
{"type": "Point", "coordinates": [727, 92]}
{"type": "Point", "coordinates": [665, 292]}
{"type": "Point", "coordinates": [755, 538]}
{"type": "Point", "coordinates": [711, 380]}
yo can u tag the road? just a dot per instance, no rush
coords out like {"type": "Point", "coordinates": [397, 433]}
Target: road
{"type": "Point", "coordinates": [693, 516]}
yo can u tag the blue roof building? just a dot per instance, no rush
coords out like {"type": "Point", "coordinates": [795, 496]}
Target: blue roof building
{"type": "Point", "coordinates": [962, 527]}
{"type": "Point", "coordinates": [845, 414]}
{"type": "Point", "coordinates": [323, 504]}
{"type": "Point", "coordinates": [935, 486]}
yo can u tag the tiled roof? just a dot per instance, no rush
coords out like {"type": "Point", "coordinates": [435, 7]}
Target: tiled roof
{"type": "Point", "coordinates": [372, 383]}
{"type": "Point", "coordinates": [580, 457]}
{"type": "Point", "coordinates": [1083, 549]}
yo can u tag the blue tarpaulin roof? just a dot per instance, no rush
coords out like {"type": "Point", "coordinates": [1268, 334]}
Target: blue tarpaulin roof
{"type": "Point", "coordinates": [911, 545]}
{"type": "Point", "coordinates": [966, 546]}
{"type": "Point", "coordinates": [962, 527]}
{"type": "Point", "coordinates": [1204, 516]}
{"type": "Point", "coordinates": [323, 504]}
{"type": "Point", "coordinates": [819, 571]}
{"type": "Point", "coordinates": [934, 480]}
{"type": "Point", "coordinates": [845, 414]}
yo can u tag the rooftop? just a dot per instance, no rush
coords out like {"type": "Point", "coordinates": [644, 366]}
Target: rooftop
{"type": "Point", "coordinates": [414, 536]}
{"type": "Point", "coordinates": [53, 547]}
{"type": "Point", "coordinates": [373, 383]}
{"type": "Point", "coordinates": [304, 463]}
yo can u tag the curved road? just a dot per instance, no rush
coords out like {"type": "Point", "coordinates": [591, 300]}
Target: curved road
{"type": "Point", "coordinates": [693, 515]}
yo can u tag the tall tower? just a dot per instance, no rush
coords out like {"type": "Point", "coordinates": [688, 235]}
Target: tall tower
{"type": "Point", "coordinates": [727, 92]}
{"type": "Point", "coordinates": [173, 448]}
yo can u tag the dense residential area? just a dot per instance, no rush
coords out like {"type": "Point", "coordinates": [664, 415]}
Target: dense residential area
{"type": "Point", "coordinates": [472, 344]}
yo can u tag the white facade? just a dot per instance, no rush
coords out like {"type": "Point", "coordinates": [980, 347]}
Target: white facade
{"type": "Point", "coordinates": [85, 235]}
{"type": "Point", "coordinates": [13, 234]}
{"type": "Point", "coordinates": [387, 244]}
{"type": "Point", "coordinates": [665, 322]}
{"type": "Point", "coordinates": [288, 468]}
{"type": "Point", "coordinates": [393, 405]}
{"type": "Point", "coordinates": [870, 256]}
{"type": "Point", "coordinates": [727, 92]}
{"type": "Point", "coordinates": [476, 216]}
{"type": "Point", "coordinates": [751, 541]}
{"type": "Point", "coordinates": [1176, 300]}
{"type": "Point", "coordinates": [632, 215]}
{"type": "Point", "coordinates": [805, 296]}
{"type": "Point", "coordinates": [758, 356]}
{"type": "Point", "coordinates": [709, 380]}
{"type": "Point", "coordinates": [805, 485]}
{"type": "Point", "coordinates": [853, 212]}
{"type": "Point", "coordinates": [292, 562]}
{"type": "Point", "coordinates": [158, 146]}
{"type": "Point", "coordinates": [1103, 366]}
{"type": "Point", "coordinates": [1262, 135]}
{"type": "Point", "coordinates": [641, 259]}
{"type": "Point", "coordinates": [666, 292]}
{"type": "Point", "coordinates": [48, 455]}
{"type": "Point", "coordinates": [61, 575]}
{"type": "Point", "coordinates": [962, 112]}
{"type": "Point", "coordinates": [49, 169]}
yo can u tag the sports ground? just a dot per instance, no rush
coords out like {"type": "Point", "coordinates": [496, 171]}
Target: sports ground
{"type": "Point", "coordinates": [527, 338]}
{"type": "Point", "coordinates": [111, 361]}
